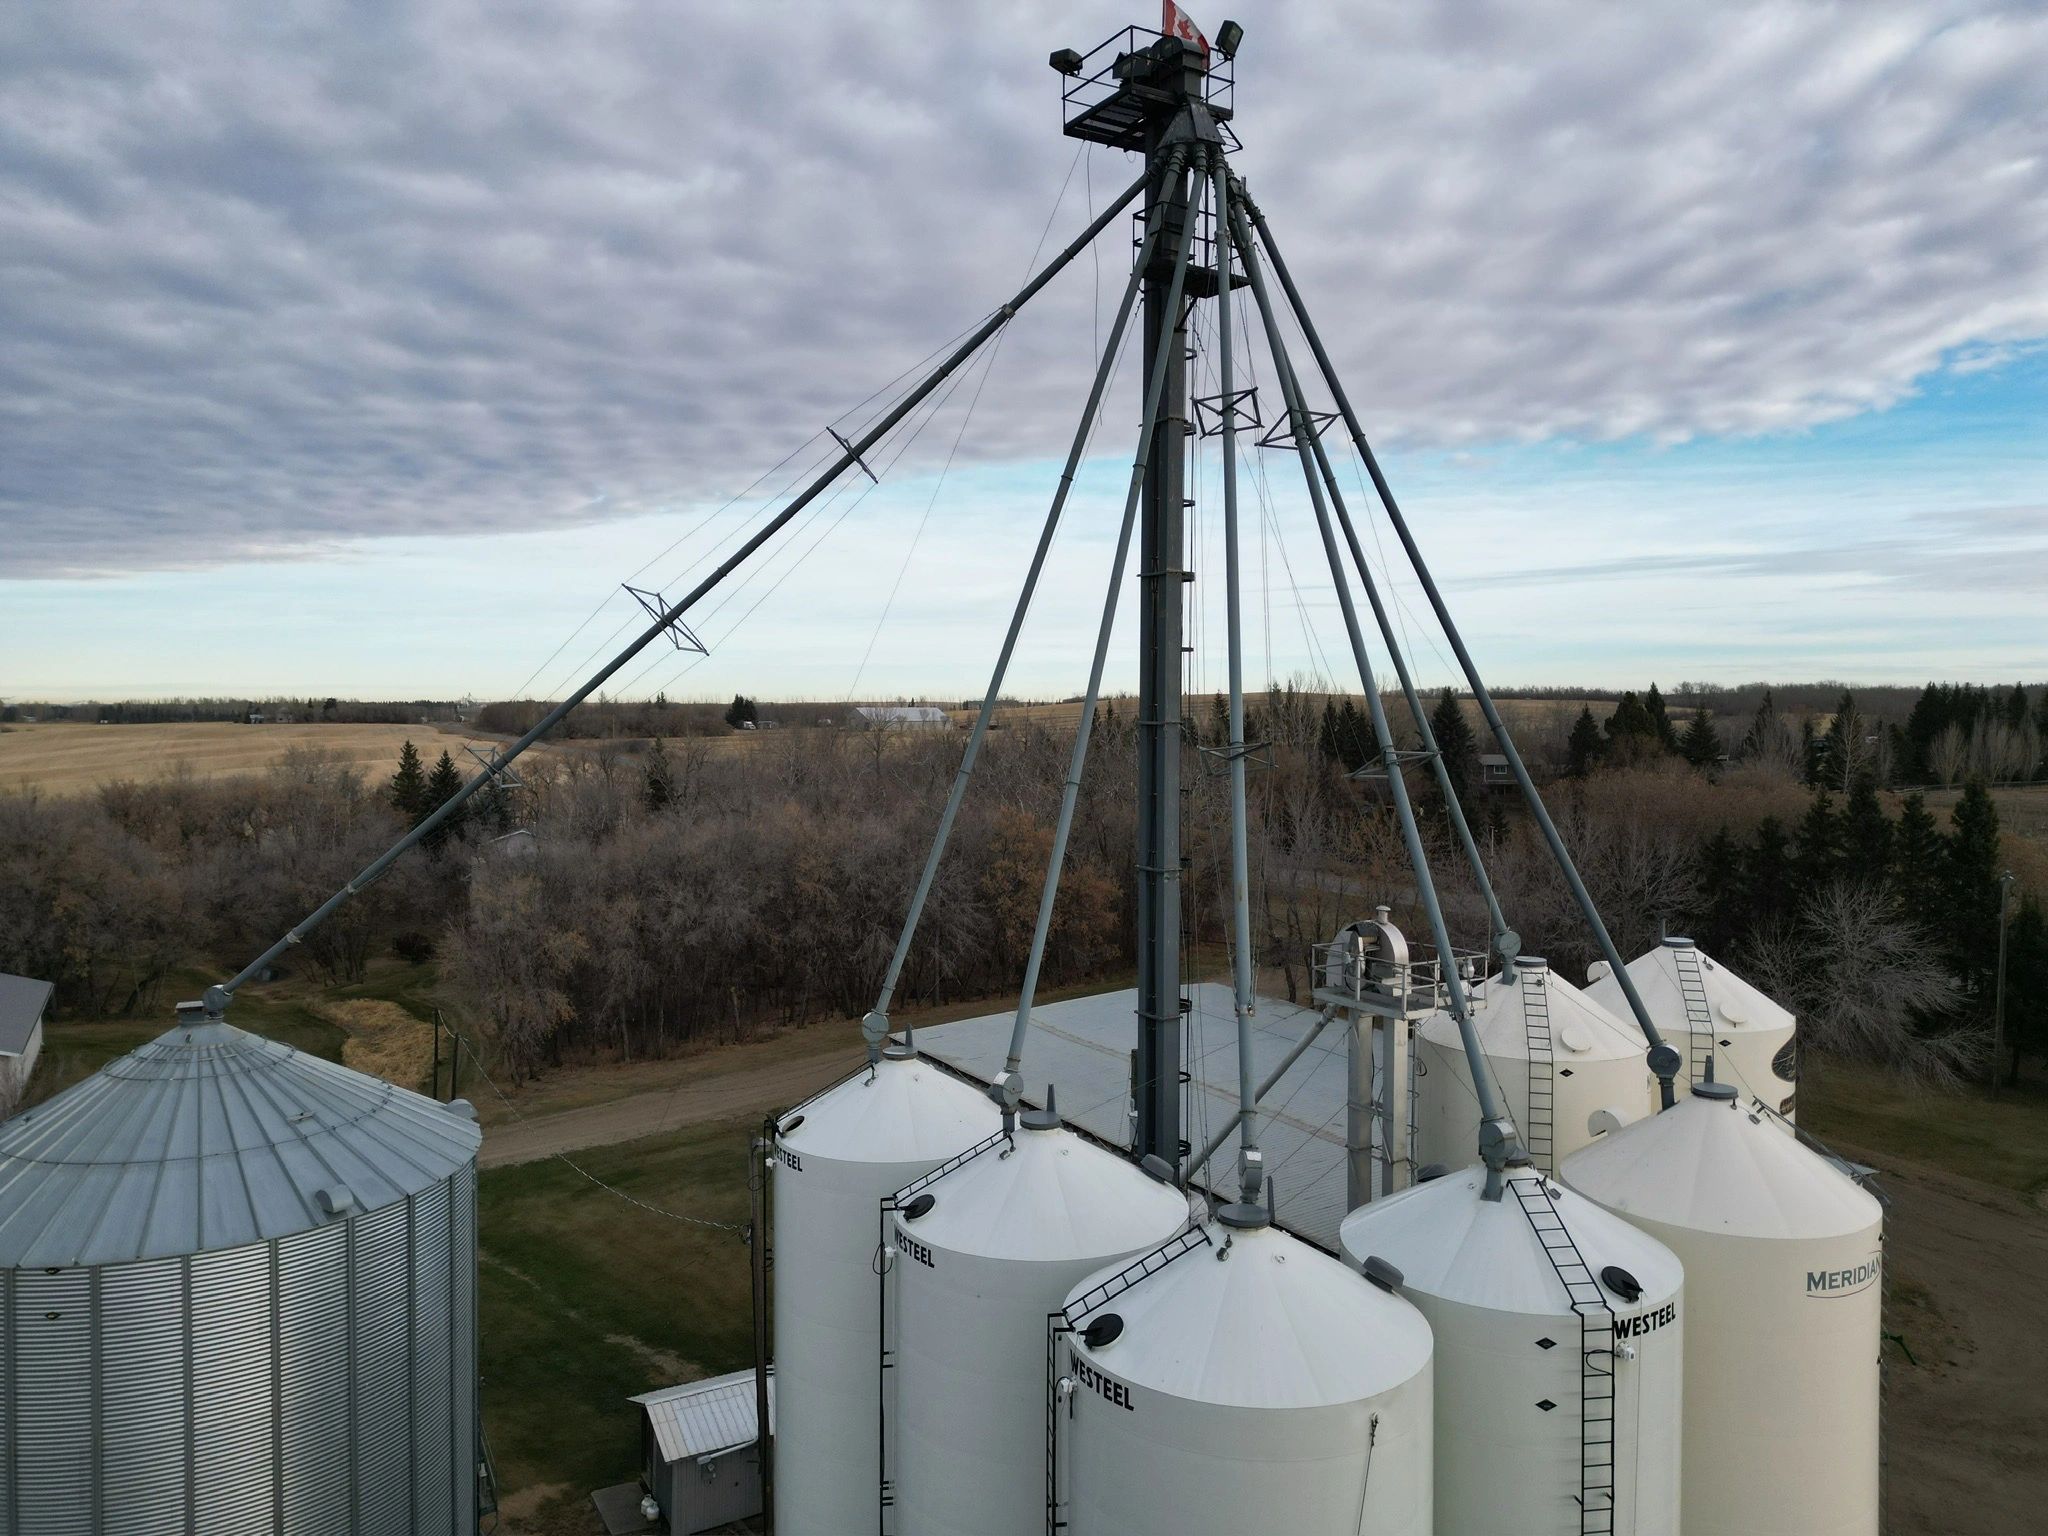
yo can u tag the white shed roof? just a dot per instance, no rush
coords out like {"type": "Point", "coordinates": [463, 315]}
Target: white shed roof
{"type": "Point", "coordinates": [701, 1418]}
{"type": "Point", "coordinates": [893, 714]}
{"type": "Point", "coordinates": [22, 1000]}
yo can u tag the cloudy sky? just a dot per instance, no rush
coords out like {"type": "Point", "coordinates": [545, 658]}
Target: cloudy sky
{"type": "Point", "coordinates": [366, 348]}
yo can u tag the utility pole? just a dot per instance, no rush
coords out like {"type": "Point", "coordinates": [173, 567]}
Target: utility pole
{"type": "Point", "coordinates": [1998, 1006]}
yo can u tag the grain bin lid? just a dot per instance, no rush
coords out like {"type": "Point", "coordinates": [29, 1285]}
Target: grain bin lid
{"type": "Point", "coordinates": [1580, 1029]}
{"type": "Point", "coordinates": [902, 1110]}
{"type": "Point", "coordinates": [1708, 1164]}
{"type": "Point", "coordinates": [1273, 1324]}
{"type": "Point", "coordinates": [1451, 1242]}
{"type": "Point", "coordinates": [1735, 1002]}
{"type": "Point", "coordinates": [211, 1137]}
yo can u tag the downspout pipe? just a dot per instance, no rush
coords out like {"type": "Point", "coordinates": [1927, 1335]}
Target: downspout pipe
{"type": "Point", "coordinates": [219, 995]}
{"type": "Point", "coordinates": [1008, 1088]}
{"type": "Point", "coordinates": [1499, 1145]}
{"type": "Point", "coordinates": [875, 1027]}
{"type": "Point", "coordinates": [1664, 1061]}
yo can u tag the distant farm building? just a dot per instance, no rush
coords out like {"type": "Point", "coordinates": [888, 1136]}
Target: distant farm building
{"type": "Point", "coordinates": [22, 1003]}
{"type": "Point", "coordinates": [1494, 772]}
{"type": "Point", "coordinates": [902, 717]}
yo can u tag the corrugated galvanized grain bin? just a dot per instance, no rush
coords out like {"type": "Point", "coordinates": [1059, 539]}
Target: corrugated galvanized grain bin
{"type": "Point", "coordinates": [237, 1295]}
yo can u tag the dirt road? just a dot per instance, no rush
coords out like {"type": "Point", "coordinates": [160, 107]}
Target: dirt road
{"type": "Point", "coordinates": [722, 1095]}
{"type": "Point", "coordinates": [1966, 1428]}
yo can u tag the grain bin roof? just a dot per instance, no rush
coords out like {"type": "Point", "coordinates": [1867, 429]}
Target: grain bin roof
{"type": "Point", "coordinates": [22, 1000]}
{"type": "Point", "coordinates": [210, 1137]}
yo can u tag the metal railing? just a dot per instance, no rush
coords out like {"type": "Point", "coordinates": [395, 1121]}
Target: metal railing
{"type": "Point", "coordinates": [1366, 983]}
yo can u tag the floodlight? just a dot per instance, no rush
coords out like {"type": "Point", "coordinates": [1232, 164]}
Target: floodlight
{"type": "Point", "coordinates": [1228, 36]}
{"type": "Point", "coordinates": [1066, 60]}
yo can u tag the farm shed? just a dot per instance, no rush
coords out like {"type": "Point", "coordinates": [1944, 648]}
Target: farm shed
{"type": "Point", "coordinates": [902, 717]}
{"type": "Point", "coordinates": [699, 1457]}
{"type": "Point", "coordinates": [22, 1002]}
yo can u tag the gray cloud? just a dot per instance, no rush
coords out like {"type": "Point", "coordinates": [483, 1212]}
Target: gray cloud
{"type": "Point", "coordinates": [272, 278]}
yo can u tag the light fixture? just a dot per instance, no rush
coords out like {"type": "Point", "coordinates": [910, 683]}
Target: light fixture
{"type": "Point", "coordinates": [1228, 36]}
{"type": "Point", "coordinates": [1066, 60]}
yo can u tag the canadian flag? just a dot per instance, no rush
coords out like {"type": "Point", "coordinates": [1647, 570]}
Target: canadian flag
{"type": "Point", "coordinates": [1175, 22]}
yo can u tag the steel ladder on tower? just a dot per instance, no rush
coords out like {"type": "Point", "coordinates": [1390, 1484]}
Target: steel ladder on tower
{"type": "Point", "coordinates": [1596, 1355]}
{"type": "Point", "coordinates": [1539, 1124]}
{"type": "Point", "coordinates": [1699, 1014]}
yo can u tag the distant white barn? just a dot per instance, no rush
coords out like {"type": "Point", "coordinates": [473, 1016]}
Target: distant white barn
{"type": "Point", "coordinates": [701, 1457]}
{"type": "Point", "coordinates": [902, 717]}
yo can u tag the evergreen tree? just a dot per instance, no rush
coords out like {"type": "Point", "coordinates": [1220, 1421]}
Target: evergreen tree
{"type": "Point", "coordinates": [1866, 835]}
{"type": "Point", "coordinates": [2026, 987]}
{"type": "Point", "coordinates": [2016, 706]}
{"type": "Point", "coordinates": [1219, 720]}
{"type": "Point", "coordinates": [1817, 846]}
{"type": "Point", "coordinates": [1724, 890]}
{"type": "Point", "coordinates": [1919, 861]}
{"type": "Point", "coordinates": [1456, 745]}
{"type": "Point", "coordinates": [1630, 726]}
{"type": "Point", "coordinates": [1809, 752]}
{"type": "Point", "coordinates": [1973, 890]}
{"type": "Point", "coordinates": [1495, 820]}
{"type": "Point", "coordinates": [442, 785]}
{"type": "Point", "coordinates": [741, 712]}
{"type": "Point", "coordinates": [1584, 746]}
{"type": "Point", "coordinates": [1702, 743]}
{"type": "Point", "coordinates": [1354, 737]}
{"type": "Point", "coordinates": [1767, 872]}
{"type": "Point", "coordinates": [409, 785]}
{"type": "Point", "coordinates": [1660, 720]}
{"type": "Point", "coordinates": [1326, 734]}
{"type": "Point", "coordinates": [1763, 728]}
{"type": "Point", "coordinates": [657, 778]}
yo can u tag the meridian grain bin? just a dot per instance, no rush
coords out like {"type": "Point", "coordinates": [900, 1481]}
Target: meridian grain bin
{"type": "Point", "coordinates": [1783, 1256]}
{"type": "Point", "coordinates": [238, 1298]}
{"type": "Point", "coordinates": [836, 1159]}
{"type": "Point", "coordinates": [1559, 1354]}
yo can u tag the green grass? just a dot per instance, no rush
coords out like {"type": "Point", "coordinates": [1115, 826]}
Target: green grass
{"type": "Point", "coordinates": [2002, 1142]}
{"type": "Point", "coordinates": [586, 1300]}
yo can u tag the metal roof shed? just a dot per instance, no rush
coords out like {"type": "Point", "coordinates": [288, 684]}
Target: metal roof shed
{"type": "Point", "coordinates": [701, 1461]}
{"type": "Point", "coordinates": [22, 1001]}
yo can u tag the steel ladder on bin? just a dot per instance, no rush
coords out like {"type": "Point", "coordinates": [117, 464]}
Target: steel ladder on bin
{"type": "Point", "coordinates": [1596, 1355]}
{"type": "Point", "coordinates": [1699, 1014]}
{"type": "Point", "coordinates": [1539, 1125]}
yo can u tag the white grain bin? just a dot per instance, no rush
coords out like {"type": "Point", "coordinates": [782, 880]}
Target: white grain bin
{"type": "Point", "coordinates": [1250, 1384]}
{"type": "Point", "coordinates": [1557, 1057]}
{"type": "Point", "coordinates": [836, 1159]}
{"type": "Point", "coordinates": [983, 1256]}
{"type": "Point", "coordinates": [237, 1295]}
{"type": "Point", "coordinates": [1559, 1354]}
{"type": "Point", "coordinates": [1699, 1005]}
{"type": "Point", "coordinates": [1782, 1256]}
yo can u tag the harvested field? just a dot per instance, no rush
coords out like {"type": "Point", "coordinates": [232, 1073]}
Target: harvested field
{"type": "Point", "coordinates": [67, 758]}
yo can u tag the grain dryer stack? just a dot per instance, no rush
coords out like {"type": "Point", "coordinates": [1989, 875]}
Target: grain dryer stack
{"type": "Point", "coordinates": [1243, 1382]}
{"type": "Point", "coordinates": [982, 1255]}
{"type": "Point", "coordinates": [237, 1295]}
{"type": "Point", "coordinates": [1782, 1253]}
{"type": "Point", "coordinates": [1559, 1353]}
{"type": "Point", "coordinates": [1558, 1057]}
{"type": "Point", "coordinates": [836, 1160]}
{"type": "Point", "coordinates": [1708, 1012]}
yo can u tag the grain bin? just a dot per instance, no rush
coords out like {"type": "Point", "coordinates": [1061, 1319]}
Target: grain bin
{"type": "Point", "coordinates": [1559, 1354]}
{"type": "Point", "coordinates": [1557, 1056]}
{"type": "Point", "coordinates": [1703, 1009]}
{"type": "Point", "coordinates": [982, 1256]}
{"type": "Point", "coordinates": [1783, 1255]}
{"type": "Point", "coordinates": [1244, 1382]}
{"type": "Point", "coordinates": [239, 1297]}
{"type": "Point", "coordinates": [836, 1158]}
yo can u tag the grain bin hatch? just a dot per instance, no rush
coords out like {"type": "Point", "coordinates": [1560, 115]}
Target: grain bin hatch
{"type": "Point", "coordinates": [210, 1137]}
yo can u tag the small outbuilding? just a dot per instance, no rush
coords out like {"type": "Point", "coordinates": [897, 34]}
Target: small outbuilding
{"type": "Point", "coordinates": [902, 717]}
{"type": "Point", "coordinates": [23, 1001]}
{"type": "Point", "coordinates": [701, 1459]}
{"type": "Point", "coordinates": [1494, 773]}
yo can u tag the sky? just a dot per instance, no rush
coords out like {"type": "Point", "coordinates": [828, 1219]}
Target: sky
{"type": "Point", "coordinates": [366, 349]}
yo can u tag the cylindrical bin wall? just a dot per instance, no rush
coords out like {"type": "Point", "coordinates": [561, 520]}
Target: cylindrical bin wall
{"type": "Point", "coordinates": [239, 1300]}
{"type": "Point", "coordinates": [1556, 1056]}
{"type": "Point", "coordinates": [1751, 1036]}
{"type": "Point", "coordinates": [1250, 1385]}
{"type": "Point", "coordinates": [1783, 1292]}
{"type": "Point", "coordinates": [1517, 1394]}
{"type": "Point", "coordinates": [836, 1160]}
{"type": "Point", "coordinates": [976, 1271]}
